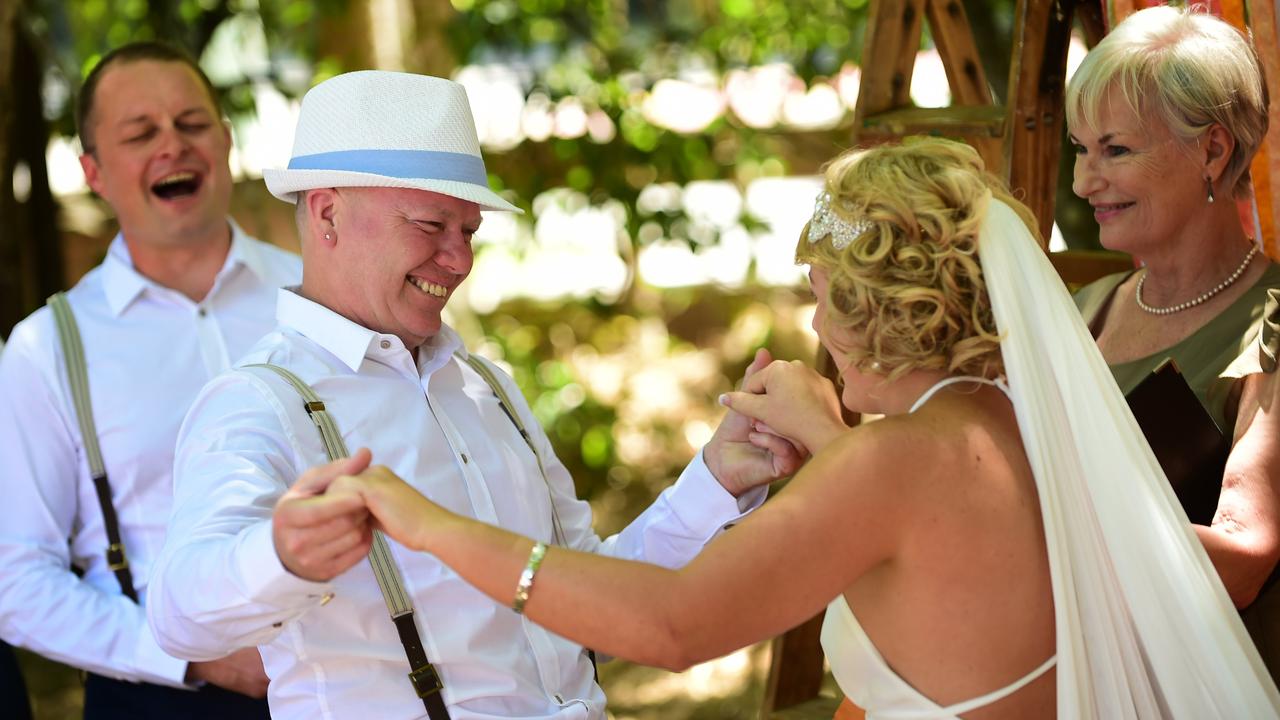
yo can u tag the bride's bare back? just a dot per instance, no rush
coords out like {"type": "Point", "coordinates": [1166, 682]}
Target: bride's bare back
{"type": "Point", "coordinates": [964, 604]}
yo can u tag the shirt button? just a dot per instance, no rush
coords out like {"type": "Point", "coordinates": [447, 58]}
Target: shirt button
{"type": "Point", "coordinates": [385, 344]}
{"type": "Point", "coordinates": [202, 312]}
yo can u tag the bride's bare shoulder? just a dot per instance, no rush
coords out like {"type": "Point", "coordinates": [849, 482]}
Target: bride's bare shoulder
{"type": "Point", "coordinates": [955, 437]}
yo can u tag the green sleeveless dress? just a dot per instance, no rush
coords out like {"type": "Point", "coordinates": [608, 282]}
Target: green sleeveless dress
{"type": "Point", "coordinates": [1244, 339]}
{"type": "Point", "coordinates": [1211, 359]}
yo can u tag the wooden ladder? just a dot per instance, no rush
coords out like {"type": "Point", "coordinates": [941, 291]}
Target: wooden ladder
{"type": "Point", "coordinates": [1019, 139]}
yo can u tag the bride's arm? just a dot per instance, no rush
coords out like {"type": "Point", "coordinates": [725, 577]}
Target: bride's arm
{"type": "Point", "coordinates": [771, 572]}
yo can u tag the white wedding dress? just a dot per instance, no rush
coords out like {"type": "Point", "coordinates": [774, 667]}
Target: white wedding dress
{"type": "Point", "coordinates": [1145, 629]}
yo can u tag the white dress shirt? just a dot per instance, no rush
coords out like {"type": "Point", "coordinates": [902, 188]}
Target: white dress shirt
{"type": "Point", "coordinates": [435, 423]}
{"type": "Point", "coordinates": [149, 350]}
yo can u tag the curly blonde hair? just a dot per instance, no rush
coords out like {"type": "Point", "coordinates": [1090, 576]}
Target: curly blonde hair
{"type": "Point", "coordinates": [909, 291]}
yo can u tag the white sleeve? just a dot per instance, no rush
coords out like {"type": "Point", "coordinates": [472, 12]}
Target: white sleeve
{"type": "Point", "coordinates": [43, 606]}
{"type": "Point", "coordinates": [235, 458]}
{"type": "Point", "coordinates": [670, 532]}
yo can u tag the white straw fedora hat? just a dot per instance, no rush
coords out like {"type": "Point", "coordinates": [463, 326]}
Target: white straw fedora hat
{"type": "Point", "coordinates": [375, 128]}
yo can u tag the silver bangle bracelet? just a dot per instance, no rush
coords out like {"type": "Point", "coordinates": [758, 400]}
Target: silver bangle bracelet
{"type": "Point", "coordinates": [526, 578]}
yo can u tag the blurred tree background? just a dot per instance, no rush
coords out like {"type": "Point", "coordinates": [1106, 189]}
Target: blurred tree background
{"type": "Point", "coordinates": [654, 145]}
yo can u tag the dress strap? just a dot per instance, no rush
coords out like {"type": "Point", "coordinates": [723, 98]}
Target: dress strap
{"type": "Point", "coordinates": [1004, 692]}
{"type": "Point", "coordinates": [998, 383]}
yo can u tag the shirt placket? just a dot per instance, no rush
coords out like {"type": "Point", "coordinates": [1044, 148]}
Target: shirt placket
{"type": "Point", "coordinates": [544, 651]}
{"type": "Point", "coordinates": [213, 346]}
{"type": "Point", "coordinates": [477, 491]}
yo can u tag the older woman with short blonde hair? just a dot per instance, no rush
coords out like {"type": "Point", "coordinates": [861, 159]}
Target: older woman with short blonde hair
{"type": "Point", "coordinates": [1166, 114]}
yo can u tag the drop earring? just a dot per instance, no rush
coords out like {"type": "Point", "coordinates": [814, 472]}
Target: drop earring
{"type": "Point", "coordinates": [1209, 184]}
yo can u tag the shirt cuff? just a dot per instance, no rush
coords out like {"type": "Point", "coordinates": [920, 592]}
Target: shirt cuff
{"type": "Point", "coordinates": [701, 502]}
{"type": "Point", "coordinates": [157, 666]}
{"type": "Point", "coordinates": [264, 579]}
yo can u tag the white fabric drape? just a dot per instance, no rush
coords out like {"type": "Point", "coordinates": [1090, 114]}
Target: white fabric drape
{"type": "Point", "coordinates": [1145, 628]}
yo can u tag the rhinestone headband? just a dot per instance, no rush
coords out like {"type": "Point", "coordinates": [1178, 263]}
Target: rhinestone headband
{"type": "Point", "coordinates": [826, 222]}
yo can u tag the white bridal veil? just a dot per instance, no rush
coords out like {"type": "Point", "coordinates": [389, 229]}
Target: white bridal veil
{"type": "Point", "coordinates": [1145, 628]}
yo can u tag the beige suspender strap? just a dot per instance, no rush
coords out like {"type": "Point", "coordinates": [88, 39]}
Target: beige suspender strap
{"type": "Point", "coordinates": [425, 679]}
{"type": "Point", "coordinates": [77, 379]}
{"type": "Point", "coordinates": [490, 375]}
{"type": "Point", "coordinates": [78, 382]}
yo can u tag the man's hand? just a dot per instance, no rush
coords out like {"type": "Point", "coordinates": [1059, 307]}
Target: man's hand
{"type": "Point", "coordinates": [742, 456]}
{"type": "Point", "coordinates": [241, 672]}
{"type": "Point", "coordinates": [319, 535]}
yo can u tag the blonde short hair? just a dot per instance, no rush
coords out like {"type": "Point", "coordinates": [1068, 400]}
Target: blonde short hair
{"type": "Point", "coordinates": [909, 291]}
{"type": "Point", "coordinates": [1187, 69]}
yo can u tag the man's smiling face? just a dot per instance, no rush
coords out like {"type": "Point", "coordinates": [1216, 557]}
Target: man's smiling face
{"type": "Point", "coordinates": [157, 152]}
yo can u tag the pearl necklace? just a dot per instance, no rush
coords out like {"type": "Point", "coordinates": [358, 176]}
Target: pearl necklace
{"type": "Point", "coordinates": [1137, 295]}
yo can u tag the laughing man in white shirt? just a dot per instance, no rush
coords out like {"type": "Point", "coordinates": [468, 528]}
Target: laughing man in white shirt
{"type": "Point", "coordinates": [389, 184]}
{"type": "Point", "coordinates": [181, 294]}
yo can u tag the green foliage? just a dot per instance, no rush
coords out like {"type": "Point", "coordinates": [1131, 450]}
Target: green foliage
{"type": "Point", "coordinates": [616, 37]}
{"type": "Point", "coordinates": [75, 34]}
{"type": "Point", "coordinates": [624, 394]}
{"type": "Point", "coordinates": [607, 53]}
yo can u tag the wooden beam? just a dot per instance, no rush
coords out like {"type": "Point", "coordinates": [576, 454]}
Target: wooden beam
{"type": "Point", "coordinates": [967, 120]}
{"type": "Point", "coordinates": [952, 35]}
{"type": "Point", "coordinates": [1118, 10]}
{"type": "Point", "coordinates": [893, 38]}
{"type": "Point", "coordinates": [1081, 267]}
{"type": "Point", "coordinates": [796, 669]}
{"type": "Point", "coordinates": [981, 126]}
{"type": "Point", "coordinates": [1092, 21]}
{"type": "Point", "coordinates": [1265, 168]}
{"type": "Point", "coordinates": [1033, 142]}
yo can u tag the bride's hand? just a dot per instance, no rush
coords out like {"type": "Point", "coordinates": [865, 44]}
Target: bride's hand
{"type": "Point", "coordinates": [398, 509]}
{"type": "Point", "coordinates": [790, 400]}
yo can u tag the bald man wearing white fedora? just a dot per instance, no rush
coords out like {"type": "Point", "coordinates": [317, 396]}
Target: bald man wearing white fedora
{"type": "Point", "coordinates": [389, 186]}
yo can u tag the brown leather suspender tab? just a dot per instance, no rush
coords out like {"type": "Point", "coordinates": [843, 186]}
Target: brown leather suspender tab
{"type": "Point", "coordinates": [425, 679]}
{"type": "Point", "coordinates": [117, 561]}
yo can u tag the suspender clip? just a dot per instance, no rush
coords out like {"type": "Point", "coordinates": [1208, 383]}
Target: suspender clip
{"type": "Point", "coordinates": [425, 681]}
{"type": "Point", "coordinates": [314, 407]}
{"type": "Point", "coordinates": [116, 559]}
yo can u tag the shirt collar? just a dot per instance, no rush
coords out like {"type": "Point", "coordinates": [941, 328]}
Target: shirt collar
{"type": "Point", "coordinates": [350, 342]}
{"type": "Point", "coordinates": [123, 284]}
{"type": "Point", "coordinates": [244, 253]}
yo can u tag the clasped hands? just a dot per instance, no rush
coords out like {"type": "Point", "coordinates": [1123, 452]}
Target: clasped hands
{"type": "Point", "coordinates": [323, 525]}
